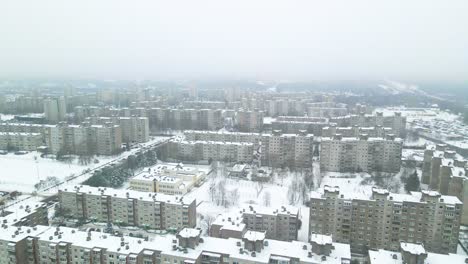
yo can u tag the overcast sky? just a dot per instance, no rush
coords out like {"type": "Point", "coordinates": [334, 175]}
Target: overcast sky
{"type": "Point", "coordinates": [255, 39]}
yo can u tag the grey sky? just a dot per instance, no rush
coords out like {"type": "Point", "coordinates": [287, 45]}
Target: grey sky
{"type": "Point", "coordinates": [282, 40]}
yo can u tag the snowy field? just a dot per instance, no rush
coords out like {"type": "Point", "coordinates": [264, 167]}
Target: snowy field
{"type": "Point", "coordinates": [22, 172]}
{"type": "Point", "coordinates": [241, 192]}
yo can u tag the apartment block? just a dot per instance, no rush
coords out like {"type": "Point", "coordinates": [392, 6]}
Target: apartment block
{"type": "Point", "coordinates": [326, 109]}
{"type": "Point", "coordinates": [361, 154]}
{"type": "Point", "coordinates": [169, 178]}
{"type": "Point", "coordinates": [447, 172]}
{"type": "Point", "coordinates": [295, 124]}
{"type": "Point", "coordinates": [55, 109]}
{"type": "Point", "coordinates": [44, 245]}
{"type": "Point", "coordinates": [355, 131]}
{"type": "Point", "coordinates": [152, 210]}
{"type": "Point", "coordinates": [185, 119]}
{"type": "Point", "coordinates": [290, 150]}
{"type": "Point", "coordinates": [278, 223]}
{"type": "Point", "coordinates": [182, 150]}
{"type": "Point", "coordinates": [224, 136]}
{"type": "Point", "coordinates": [383, 219]}
{"type": "Point", "coordinates": [14, 243]}
{"type": "Point", "coordinates": [134, 129]}
{"type": "Point", "coordinates": [249, 121]}
{"type": "Point", "coordinates": [397, 122]}
{"type": "Point", "coordinates": [26, 213]}
{"type": "Point", "coordinates": [413, 253]}
{"type": "Point", "coordinates": [20, 141]}
{"type": "Point", "coordinates": [76, 139]}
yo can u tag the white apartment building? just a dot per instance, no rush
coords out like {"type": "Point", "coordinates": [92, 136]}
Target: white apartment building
{"type": "Point", "coordinates": [152, 210]}
{"type": "Point", "coordinates": [224, 136]}
{"type": "Point", "coordinates": [360, 154]}
{"type": "Point", "coordinates": [76, 139]}
{"type": "Point", "coordinates": [180, 149]}
{"type": "Point", "coordinates": [249, 121]}
{"type": "Point", "coordinates": [397, 122]}
{"type": "Point", "coordinates": [55, 109]}
{"type": "Point", "coordinates": [291, 150]}
{"type": "Point", "coordinates": [355, 131]}
{"type": "Point", "coordinates": [383, 219]}
{"type": "Point", "coordinates": [20, 141]}
{"type": "Point", "coordinates": [51, 245]}
{"type": "Point", "coordinates": [134, 129]}
{"type": "Point", "coordinates": [290, 125]}
{"type": "Point", "coordinates": [447, 172]}
{"type": "Point", "coordinates": [169, 178]}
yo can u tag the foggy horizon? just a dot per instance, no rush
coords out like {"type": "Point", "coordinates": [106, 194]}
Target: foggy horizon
{"type": "Point", "coordinates": [261, 40]}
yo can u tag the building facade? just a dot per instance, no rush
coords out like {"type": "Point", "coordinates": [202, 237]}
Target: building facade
{"type": "Point", "coordinates": [151, 210]}
{"type": "Point", "coordinates": [383, 219]}
{"type": "Point", "coordinates": [361, 154]}
{"type": "Point", "coordinates": [280, 223]}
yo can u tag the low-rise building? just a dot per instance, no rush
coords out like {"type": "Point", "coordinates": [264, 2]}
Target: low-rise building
{"type": "Point", "coordinates": [280, 223]}
{"type": "Point", "coordinates": [169, 178]}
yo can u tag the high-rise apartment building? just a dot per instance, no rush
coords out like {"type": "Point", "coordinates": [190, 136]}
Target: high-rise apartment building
{"type": "Point", "coordinates": [446, 171]}
{"type": "Point", "coordinates": [383, 219]}
{"type": "Point", "coordinates": [360, 154]}
{"type": "Point", "coordinates": [152, 210]}
{"type": "Point", "coordinates": [290, 150]}
{"type": "Point", "coordinates": [249, 121]}
{"type": "Point", "coordinates": [55, 109]}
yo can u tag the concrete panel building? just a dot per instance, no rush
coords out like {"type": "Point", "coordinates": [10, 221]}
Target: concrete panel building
{"type": "Point", "coordinates": [361, 154]}
{"type": "Point", "coordinates": [152, 210]}
{"type": "Point", "coordinates": [383, 219]}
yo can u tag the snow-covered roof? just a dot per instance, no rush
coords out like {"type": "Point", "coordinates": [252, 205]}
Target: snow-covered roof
{"type": "Point", "coordinates": [189, 232]}
{"type": "Point", "coordinates": [130, 194]}
{"type": "Point", "coordinates": [416, 249]}
{"type": "Point", "coordinates": [390, 257]}
{"type": "Point", "coordinates": [321, 239]}
{"type": "Point", "coordinates": [254, 235]}
{"type": "Point", "coordinates": [415, 197]}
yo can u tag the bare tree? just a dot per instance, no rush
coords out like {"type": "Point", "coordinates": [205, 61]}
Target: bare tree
{"type": "Point", "coordinates": [207, 221]}
{"type": "Point", "coordinates": [212, 191]}
{"type": "Point", "coordinates": [234, 197]}
{"type": "Point", "coordinates": [258, 188]}
{"type": "Point", "coordinates": [267, 199]}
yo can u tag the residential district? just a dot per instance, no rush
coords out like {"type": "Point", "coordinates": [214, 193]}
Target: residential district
{"type": "Point", "coordinates": [152, 174]}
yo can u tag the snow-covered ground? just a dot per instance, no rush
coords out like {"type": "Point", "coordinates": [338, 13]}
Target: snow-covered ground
{"type": "Point", "coordinates": [4, 117]}
{"type": "Point", "coordinates": [348, 182]}
{"type": "Point", "coordinates": [22, 172]}
{"type": "Point", "coordinates": [249, 192]}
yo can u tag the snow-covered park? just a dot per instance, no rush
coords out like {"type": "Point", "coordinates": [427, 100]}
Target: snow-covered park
{"type": "Point", "coordinates": [23, 172]}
